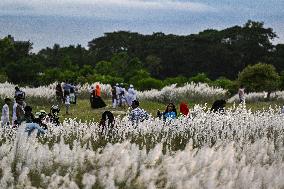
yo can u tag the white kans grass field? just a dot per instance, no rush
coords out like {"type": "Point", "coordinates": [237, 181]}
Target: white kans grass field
{"type": "Point", "coordinates": [167, 94]}
{"type": "Point", "coordinates": [200, 92]}
{"type": "Point", "coordinates": [238, 149]}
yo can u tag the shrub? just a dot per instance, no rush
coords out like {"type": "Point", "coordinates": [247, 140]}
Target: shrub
{"type": "Point", "coordinates": [149, 83]}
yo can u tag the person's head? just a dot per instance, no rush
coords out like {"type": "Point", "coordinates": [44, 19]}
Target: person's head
{"type": "Point", "coordinates": [17, 88]}
{"type": "Point", "coordinates": [54, 109]}
{"type": "Point", "coordinates": [135, 104]}
{"type": "Point", "coordinates": [131, 86]}
{"type": "Point", "coordinates": [7, 101]}
{"type": "Point", "coordinates": [97, 86]}
{"type": "Point", "coordinates": [19, 100]}
{"type": "Point", "coordinates": [241, 86]}
{"type": "Point", "coordinates": [107, 115]}
{"type": "Point", "coordinates": [170, 108]}
{"type": "Point", "coordinates": [28, 109]}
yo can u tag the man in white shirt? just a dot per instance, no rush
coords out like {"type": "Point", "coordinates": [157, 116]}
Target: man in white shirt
{"type": "Point", "coordinates": [5, 118]}
{"type": "Point", "coordinates": [131, 95]}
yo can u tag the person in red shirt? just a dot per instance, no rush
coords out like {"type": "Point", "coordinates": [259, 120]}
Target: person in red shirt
{"type": "Point", "coordinates": [183, 108]}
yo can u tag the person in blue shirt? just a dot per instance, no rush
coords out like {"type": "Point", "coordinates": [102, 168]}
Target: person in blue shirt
{"type": "Point", "coordinates": [30, 127]}
{"type": "Point", "coordinates": [170, 112]}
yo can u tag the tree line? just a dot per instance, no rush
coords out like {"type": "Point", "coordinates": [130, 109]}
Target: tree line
{"type": "Point", "coordinates": [147, 61]}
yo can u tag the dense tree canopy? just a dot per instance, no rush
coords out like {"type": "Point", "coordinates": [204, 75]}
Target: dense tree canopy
{"type": "Point", "coordinates": [126, 56]}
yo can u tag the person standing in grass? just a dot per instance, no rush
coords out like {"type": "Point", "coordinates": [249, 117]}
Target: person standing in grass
{"type": "Point", "coordinates": [5, 118]}
{"type": "Point", "coordinates": [241, 94]}
{"type": "Point", "coordinates": [18, 111]}
{"type": "Point", "coordinates": [131, 95]}
{"type": "Point", "coordinates": [59, 93]}
{"type": "Point", "coordinates": [113, 97]}
{"type": "Point", "coordinates": [67, 102]}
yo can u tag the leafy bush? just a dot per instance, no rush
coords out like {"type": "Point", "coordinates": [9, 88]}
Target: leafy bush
{"type": "Point", "coordinates": [259, 77]}
{"type": "Point", "coordinates": [180, 80]}
{"type": "Point", "coordinates": [231, 86]}
{"type": "Point", "coordinates": [149, 83]}
{"type": "Point", "coordinates": [200, 78]}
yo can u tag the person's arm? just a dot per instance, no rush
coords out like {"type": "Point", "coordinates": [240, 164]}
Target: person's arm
{"type": "Point", "coordinates": [5, 111]}
{"type": "Point", "coordinates": [131, 116]}
{"type": "Point", "coordinates": [18, 111]}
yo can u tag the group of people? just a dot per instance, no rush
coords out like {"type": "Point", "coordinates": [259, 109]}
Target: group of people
{"type": "Point", "coordinates": [23, 113]}
{"type": "Point", "coordinates": [66, 94]}
{"type": "Point", "coordinates": [122, 97]}
{"type": "Point", "coordinates": [138, 114]}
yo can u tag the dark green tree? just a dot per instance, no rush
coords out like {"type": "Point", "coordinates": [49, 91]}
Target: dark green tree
{"type": "Point", "coordinates": [260, 77]}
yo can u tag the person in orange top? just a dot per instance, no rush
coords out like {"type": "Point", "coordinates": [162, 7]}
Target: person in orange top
{"type": "Point", "coordinates": [98, 90]}
{"type": "Point", "coordinates": [96, 100]}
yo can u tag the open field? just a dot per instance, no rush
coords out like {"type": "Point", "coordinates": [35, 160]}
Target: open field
{"type": "Point", "coordinates": [243, 148]}
{"type": "Point", "coordinates": [83, 111]}
{"type": "Point", "coordinates": [240, 149]}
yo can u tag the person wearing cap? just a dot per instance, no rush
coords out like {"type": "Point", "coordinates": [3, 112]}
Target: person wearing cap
{"type": "Point", "coordinates": [131, 95]}
{"type": "Point", "coordinates": [5, 118]}
{"type": "Point", "coordinates": [137, 114]}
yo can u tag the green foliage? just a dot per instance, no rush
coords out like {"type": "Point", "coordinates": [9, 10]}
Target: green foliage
{"type": "Point", "coordinates": [153, 64]}
{"type": "Point", "coordinates": [49, 76]}
{"type": "Point", "coordinates": [25, 69]}
{"type": "Point", "coordinates": [175, 80]}
{"type": "Point", "coordinates": [86, 70]}
{"type": "Point", "coordinates": [149, 83]}
{"type": "Point", "coordinates": [105, 68]}
{"type": "Point", "coordinates": [139, 75]}
{"type": "Point", "coordinates": [281, 84]}
{"type": "Point", "coordinates": [201, 77]}
{"type": "Point", "coordinates": [106, 79]}
{"type": "Point", "coordinates": [3, 77]}
{"type": "Point", "coordinates": [231, 86]}
{"type": "Point", "coordinates": [122, 55]}
{"type": "Point", "coordinates": [259, 77]}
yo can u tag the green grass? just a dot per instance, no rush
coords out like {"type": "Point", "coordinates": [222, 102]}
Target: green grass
{"type": "Point", "coordinates": [83, 111]}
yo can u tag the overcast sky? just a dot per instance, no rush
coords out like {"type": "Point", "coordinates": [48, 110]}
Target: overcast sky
{"type": "Point", "coordinates": [45, 22]}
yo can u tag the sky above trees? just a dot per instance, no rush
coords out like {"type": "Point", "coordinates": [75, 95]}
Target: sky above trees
{"type": "Point", "coordinates": [78, 21]}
